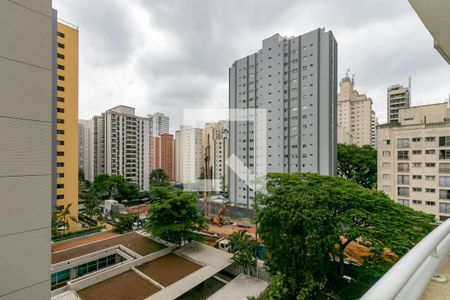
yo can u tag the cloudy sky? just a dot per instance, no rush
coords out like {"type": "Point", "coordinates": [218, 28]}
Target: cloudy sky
{"type": "Point", "coordinates": [167, 55]}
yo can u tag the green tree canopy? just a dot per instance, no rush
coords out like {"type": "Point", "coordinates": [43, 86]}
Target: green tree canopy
{"type": "Point", "coordinates": [158, 178]}
{"type": "Point", "coordinates": [175, 216]}
{"type": "Point", "coordinates": [358, 164]}
{"type": "Point", "coordinates": [125, 221]}
{"type": "Point", "coordinates": [107, 186]}
{"type": "Point", "coordinates": [308, 220]}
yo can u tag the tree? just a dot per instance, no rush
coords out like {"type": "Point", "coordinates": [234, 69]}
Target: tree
{"type": "Point", "coordinates": [63, 216]}
{"type": "Point", "coordinates": [298, 232]}
{"type": "Point", "coordinates": [106, 186]}
{"type": "Point", "coordinates": [308, 220]}
{"type": "Point", "coordinates": [244, 251]}
{"type": "Point", "coordinates": [91, 204]}
{"type": "Point", "coordinates": [358, 164]}
{"type": "Point", "coordinates": [125, 221]}
{"type": "Point", "coordinates": [175, 217]}
{"type": "Point", "coordinates": [158, 178]}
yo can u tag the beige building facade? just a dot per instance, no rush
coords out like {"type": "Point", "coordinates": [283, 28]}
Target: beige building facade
{"type": "Point", "coordinates": [355, 115]}
{"type": "Point", "coordinates": [397, 98]}
{"type": "Point", "coordinates": [414, 159]}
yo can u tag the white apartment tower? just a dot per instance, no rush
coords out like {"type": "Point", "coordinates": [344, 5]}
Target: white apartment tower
{"type": "Point", "coordinates": [159, 124]}
{"type": "Point", "coordinates": [188, 154]}
{"type": "Point", "coordinates": [355, 114]}
{"type": "Point", "coordinates": [86, 148]}
{"type": "Point", "coordinates": [295, 80]}
{"type": "Point", "coordinates": [121, 145]}
{"type": "Point", "coordinates": [414, 159]}
{"type": "Point", "coordinates": [397, 98]}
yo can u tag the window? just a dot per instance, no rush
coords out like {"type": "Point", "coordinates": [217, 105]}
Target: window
{"type": "Point", "coordinates": [403, 167]}
{"type": "Point", "coordinates": [60, 34]}
{"type": "Point", "coordinates": [443, 218]}
{"type": "Point", "coordinates": [386, 153]}
{"type": "Point", "coordinates": [59, 175]}
{"type": "Point", "coordinates": [60, 88]}
{"type": "Point", "coordinates": [416, 152]}
{"type": "Point", "coordinates": [386, 165]}
{"type": "Point", "coordinates": [404, 202]}
{"type": "Point", "coordinates": [402, 155]}
{"type": "Point", "coordinates": [61, 67]}
{"type": "Point", "coordinates": [60, 153]}
{"type": "Point", "coordinates": [430, 203]}
{"type": "Point", "coordinates": [444, 194]}
{"type": "Point", "coordinates": [430, 165]}
{"type": "Point", "coordinates": [429, 190]}
{"type": "Point", "coordinates": [444, 154]}
{"type": "Point", "coordinates": [444, 168]}
{"type": "Point", "coordinates": [60, 121]}
{"type": "Point", "coordinates": [403, 179]}
{"type": "Point", "coordinates": [60, 164]}
{"type": "Point", "coordinates": [60, 110]}
{"type": "Point", "coordinates": [416, 189]}
{"type": "Point", "coordinates": [59, 197]}
{"type": "Point", "coordinates": [60, 143]}
{"type": "Point", "coordinates": [386, 142]}
{"type": "Point", "coordinates": [416, 139]}
{"type": "Point", "coordinates": [417, 177]}
{"type": "Point", "coordinates": [430, 139]}
{"type": "Point", "coordinates": [444, 180]}
{"type": "Point", "coordinates": [444, 208]}
{"type": "Point", "coordinates": [60, 186]}
{"type": "Point", "coordinates": [61, 56]}
{"type": "Point", "coordinates": [444, 141]}
{"type": "Point", "coordinates": [403, 191]}
{"type": "Point", "coordinates": [386, 176]}
{"type": "Point", "coordinates": [60, 99]}
{"type": "Point", "coordinates": [430, 177]}
{"type": "Point", "coordinates": [61, 45]}
{"type": "Point", "coordinates": [61, 78]}
{"type": "Point", "coordinates": [386, 189]}
{"type": "Point", "coordinates": [59, 131]}
{"type": "Point", "coordinates": [417, 165]}
{"type": "Point", "coordinates": [417, 202]}
{"type": "Point", "coordinates": [402, 143]}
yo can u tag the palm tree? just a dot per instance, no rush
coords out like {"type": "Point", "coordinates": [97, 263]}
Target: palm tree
{"type": "Point", "coordinates": [63, 216]}
{"type": "Point", "coordinates": [244, 250]}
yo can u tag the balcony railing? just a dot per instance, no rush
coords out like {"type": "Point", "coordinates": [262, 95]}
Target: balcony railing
{"type": "Point", "coordinates": [409, 277]}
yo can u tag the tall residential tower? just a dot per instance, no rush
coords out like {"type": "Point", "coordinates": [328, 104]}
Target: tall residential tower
{"type": "Point", "coordinates": [159, 124]}
{"type": "Point", "coordinates": [397, 98]}
{"type": "Point", "coordinates": [355, 114]}
{"type": "Point", "coordinates": [295, 80]}
{"type": "Point", "coordinates": [67, 119]}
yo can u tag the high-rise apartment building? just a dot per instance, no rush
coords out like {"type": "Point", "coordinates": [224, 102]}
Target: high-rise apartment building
{"type": "Point", "coordinates": [295, 81]}
{"type": "Point", "coordinates": [159, 124]}
{"type": "Point", "coordinates": [355, 114]}
{"type": "Point", "coordinates": [121, 145]}
{"type": "Point", "coordinates": [162, 154]}
{"type": "Point", "coordinates": [86, 148]}
{"type": "Point", "coordinates": [221, 154]}
{"type": "Point", "coordinates": [414, 159]}
{"type": "Point", "coordinates": [27, 146]}
{"type": "Point", "coordinates": [67, 119]}
{"type": "Point", "coordinates": [188, 154]}
{"type": "Point", "coordinates": [397, 98]}
{"type": "Point", "coordinates": [374, 121]}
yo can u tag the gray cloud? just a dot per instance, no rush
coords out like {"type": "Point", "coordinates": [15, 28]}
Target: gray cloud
{"type": "Point", "coordinates": [167, 55]}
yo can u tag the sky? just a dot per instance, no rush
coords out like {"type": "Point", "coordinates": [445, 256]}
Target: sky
{"type": "Point", "coordinates": [170, 55]}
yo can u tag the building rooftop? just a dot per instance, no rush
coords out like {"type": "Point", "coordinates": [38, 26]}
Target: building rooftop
{"type": "Point", "coordinates": [127, 285]}
{"type": "Point", "coordinates": [439, 290]}
{"type": "Point", "coordinates": [169, 269]}
{"type": "Point", "coordinates": [240, 288]}
{"type": "Point", "coordinates": [133, 241]}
